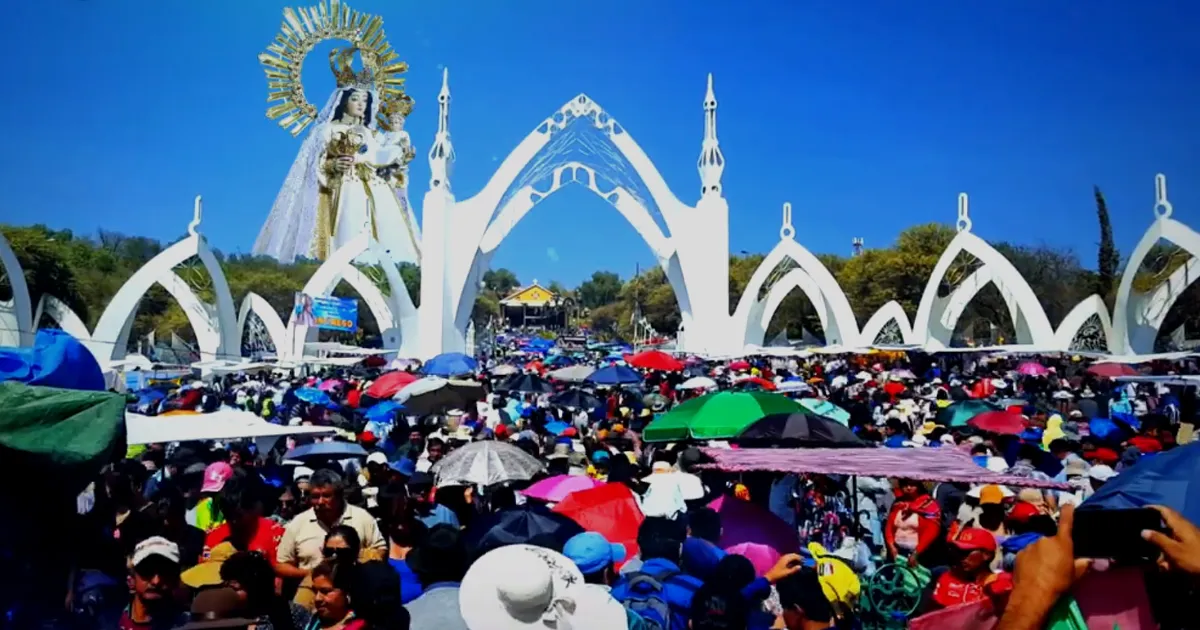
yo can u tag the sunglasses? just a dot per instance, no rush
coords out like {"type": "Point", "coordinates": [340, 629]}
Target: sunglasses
{"type": "Point", "coordinates": [334, 552]}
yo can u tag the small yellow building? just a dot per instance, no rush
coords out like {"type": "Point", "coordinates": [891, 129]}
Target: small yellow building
{"type": "Point", "coordinates": [533, 306]}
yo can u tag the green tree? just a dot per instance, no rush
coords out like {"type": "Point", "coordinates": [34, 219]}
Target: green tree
{"type": "Point", "coordinates": [604, 287]}
{"type": "Point", "coordinates": [1108, 258]}
{"type": "Point", "coordinates": [500, 281]}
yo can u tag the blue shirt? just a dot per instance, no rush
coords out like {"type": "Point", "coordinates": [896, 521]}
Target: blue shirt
{"type": "Point", "coordinates": [410, 586]}
{"type": "Point", "coordinates": [440, 515]}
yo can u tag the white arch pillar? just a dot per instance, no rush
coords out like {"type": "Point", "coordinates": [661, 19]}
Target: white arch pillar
{"type": "Point", "coordinates": [891, 311]}
{"type": "Point", "coordinates": [16, 315]}
{"type": "Point", "coordinates": [1079, 315]}
{"type": "Point", "coordinates": [276, 331]}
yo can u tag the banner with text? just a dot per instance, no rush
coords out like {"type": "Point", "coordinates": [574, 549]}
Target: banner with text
{"type": "Point", "coordinates": [329, 313]}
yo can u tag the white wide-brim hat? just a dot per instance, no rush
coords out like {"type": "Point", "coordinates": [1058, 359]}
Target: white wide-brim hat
{"type": "Point", "coordinates": [518, 587]}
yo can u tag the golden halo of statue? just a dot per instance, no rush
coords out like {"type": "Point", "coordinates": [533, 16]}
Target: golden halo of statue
{"type": "Point", "coordinates": [304, 28]}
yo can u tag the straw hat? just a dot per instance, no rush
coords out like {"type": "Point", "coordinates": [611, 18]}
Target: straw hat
{"type": "Point", "coordinates": [208, 573]}
{"type": "Point", "coordinates": [519, 587]}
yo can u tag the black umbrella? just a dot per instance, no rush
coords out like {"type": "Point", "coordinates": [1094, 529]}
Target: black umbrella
{"type": "Point", "coordinates": [528, 383]}
{"type": "Point", "coordinates": [801, 429]}
{"type": "Point", "coordinates": [527, 524]}
{"type": "Point", "coordinates": [439, 396]}
{"type": "Point", "coordinates": [576, 399]}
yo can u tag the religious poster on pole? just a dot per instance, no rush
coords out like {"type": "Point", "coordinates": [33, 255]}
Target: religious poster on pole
{"type": "Point", "coordinates": [329, 313]}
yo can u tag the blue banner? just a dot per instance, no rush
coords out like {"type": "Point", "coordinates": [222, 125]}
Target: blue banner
{"type": "Point", "coordinates": [329, 313]}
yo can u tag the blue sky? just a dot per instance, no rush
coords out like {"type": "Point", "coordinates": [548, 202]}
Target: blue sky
{"type": "Point", "coordinates": [868, 116]}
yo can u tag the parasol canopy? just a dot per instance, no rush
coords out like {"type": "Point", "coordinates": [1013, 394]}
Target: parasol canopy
{"type": "Point", "coordinates": [801, 429]}
{"type": "Point", "coordinates": [450, 364]}
{"type": "Point", "coordinates": [716, 416]}
{"type": "Point", "coordinates": [433, 394]}
{"type": "Point", "coordinates": [388, 384]}
{"type": "Point", "coordinates": [654, 360]}
{"type": "Point", "coordinates": [527, 383]}
{"type": "Point", "coordinates": [1112, 370]}
{"type": "Point", "coordinates": [526, 524]}
{"type": "Point", "coordinates": [1032, 368]}
{"type": "Point", "coordinates": [572, 374]}
{"type": "Point", "coordinates": [576, 399]}
{"type": "Point", "coordinates": [957, 414]}
{"type": "Point", "coordinates": [825, 409]}
{"type": "Point", "coordinates": [1003, 422]}
{"type": "Point", "coordinates": [614, 375]}
{"type": "Point", "coordinates": [485, 463]}
{"type": "Point", "coordinates": [698, 382]}
{"type": "Point", "coordinates": [556, 488]}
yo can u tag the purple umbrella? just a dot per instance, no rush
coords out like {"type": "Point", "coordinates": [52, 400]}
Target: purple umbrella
{"type": "Point", "coordinates": [1032, 368]}
{"type": "Point", "coordinates": [745, 522]}
{"type": "Point", "coordinates": [761, 556]}
{"type": "Point", "coordinates": [555, 489]}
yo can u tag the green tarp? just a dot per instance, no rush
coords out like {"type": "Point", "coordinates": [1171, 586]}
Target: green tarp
{"type": "Point", "coordinates": [58, 439]}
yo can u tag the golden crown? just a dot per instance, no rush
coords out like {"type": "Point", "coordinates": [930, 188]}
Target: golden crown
{"type": "Point", "coordinates": [341, 62]}
{"type": "Point", "coordinates": [402, 105]}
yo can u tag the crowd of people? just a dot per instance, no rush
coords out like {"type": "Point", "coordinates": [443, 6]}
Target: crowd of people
{"type": "Point", "coordinates": [224, 535]}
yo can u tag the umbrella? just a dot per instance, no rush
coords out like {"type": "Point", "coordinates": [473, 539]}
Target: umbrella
{"type": "Point", "coordinates": [504, 369]}
{"type": "Point", "coordinates": [330, 384]}
{"type": "Point", "coordinates": [957, 414]}
{"type": "Point", "coordinates": [655, 399]}
{"type": "Point", "coordinates": [804, 429]}
{"type": "Point", "coordinates": [576, 399]}
{"type": "Point", "coordinates": [450, 364]}
{"type": "Point", "coordinates": [739, 365]}
{"type": "Point", "coordinates": [754, 381]}
{"type": "Point", "coordinates": [903, 374]}
{"type": "Point", "coordinates": [793, 387]}
{"type": "Point", "coordinates": [746, 522]}
{"type": "Point", "coordinates": [437, 395]}
{"type": "Point", "coordinates": [761, 556]}
{"type": "Point", "coordinates": [614, 375]}
{"type": "Point", "coordinates": [698, 382]}
{"type": "Point", "coordinates": [572, 374]}
{"type": "Point", "coordinates": [826, 409]}
{"type": "Point", "coordinates": [998, 422]}
{"type": "Point", "coordinates": [388, 384]}
{"type": "Point", "coordinates": [326, 450]}
{"type": "Point", "coordinates": [611, 510]}
{"type": "Point", "coordinates": [1112, 370]}
{"type": "Point", "coordinates": [374, 361]}
{"type": "Point", "coordinates": [556, 427]}
{"type": "Point", "coordinates": [527, 524]}
{"type": "Point", "coordinates": [555, 489]}
{"type": "Point", "coordinates": [1032, 368]}
{"type": "Point", "coordinates": [654, 360]}
{"type": "Point", "coordinates": [718, 415]}
{"type": "Point", "coordinates": [530, 383]}
{"type": "Point", "coordinates": [383, 411]}
{"type": "Point", "coordinates": [484, 464]}
{"type": "Point", "coordinates": [1162, 479]}
{"type": "Point", "coordinates": [313, 395]}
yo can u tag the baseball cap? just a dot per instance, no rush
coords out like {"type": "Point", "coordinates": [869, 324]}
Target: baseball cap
{"type": "Point", "coordinates": [377, 458]}
{"type": "Point", "coordinates": [155, 546]}
{"type": "Point", "coordinates": [1022, 511]}
{"type": "Point", "coordinates": [991, 495]}
{"type": "Point", "coordinates": [971, 538]}
{"type": "Point", "coordinates": [404, 466]}
{"type": "Point", "coordinates": [215, 476]}
{"type": "Point", "coordinates": [591, 552]}
{"type": "Point", "coordinates": [1102, 472]}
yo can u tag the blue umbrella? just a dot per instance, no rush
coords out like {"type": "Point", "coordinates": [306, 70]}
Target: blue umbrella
{"type": "Point", "coordinates": [1168, 478]}
{"type": "Point", "coordinates": [614, 375]}
{"type": "Point", "coordinates": [313, 395]}
{"type": "Point", "coordinates": [383, 411]}
{"type": "Point", "coordinates": [556, 427]}
{"type": "Point", "coordinates": [450, 364]}
{"type": "Point", "coordinates": [326, 450]}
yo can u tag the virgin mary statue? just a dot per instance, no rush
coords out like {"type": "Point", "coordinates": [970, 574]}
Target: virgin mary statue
{"type": "Point", "coordinates": [350, 176]}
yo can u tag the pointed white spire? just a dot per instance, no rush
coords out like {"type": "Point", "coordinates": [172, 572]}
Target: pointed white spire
{"type": "Point", "coordinates": [1162, 205]}
{"type": "Point", "coordinates": [441, 154]}
{"type": "Point", "coordinates": [712, 162]}
{"type": "Point", "coordinates": [197, 211]}
{"type": "Point", "coordinates": [787, 231]}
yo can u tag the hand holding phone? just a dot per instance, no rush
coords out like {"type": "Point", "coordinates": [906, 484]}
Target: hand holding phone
{"type": "Point", "coordinates": [1180, 544]}
{"type": "Point", "coordinates": [1117, 534]}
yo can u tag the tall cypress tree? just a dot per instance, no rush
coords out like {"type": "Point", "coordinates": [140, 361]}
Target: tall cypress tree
{"type": "Point", "coordinates": [1109, 258]}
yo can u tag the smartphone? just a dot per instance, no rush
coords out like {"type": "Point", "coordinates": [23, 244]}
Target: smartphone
{"type": "Point", "coordinates": [1116, 534]}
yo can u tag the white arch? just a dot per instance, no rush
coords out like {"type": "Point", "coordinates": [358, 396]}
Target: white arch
{"type": "Point", "coordinates": [219, 337]}
{"type": "Point", "coordinates": [257, 304]}
{"type": "Point", "coordinates": [936, 317]}
{"type": "Point", "coordinates": [1137, 317]}
{"type": "Point", "coordinates": [837, 318]}
{"type": "Point", "coordinates": [63, 315]}
{"type": "Point", "coordinates": [16, 315]}
{"type": "Point", "coordinates": [1079, 315]}
{"type": "Point", "coordinates": [891, 311]}
{"type": "Point", "coordinates": [394, 316]}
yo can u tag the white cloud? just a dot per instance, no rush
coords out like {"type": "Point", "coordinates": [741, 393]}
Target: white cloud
{"type": "Point", "coordinates": [552, 254]}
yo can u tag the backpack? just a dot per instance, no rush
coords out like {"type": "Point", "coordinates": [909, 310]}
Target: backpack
{"type": "Point", "coordinates": [646, 598]}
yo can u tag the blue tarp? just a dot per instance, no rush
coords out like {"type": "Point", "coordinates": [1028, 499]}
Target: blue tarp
{"type": "Point", "coordinates": [56, 360]}
{"type": "Point", "coordinates": [1171, 478]}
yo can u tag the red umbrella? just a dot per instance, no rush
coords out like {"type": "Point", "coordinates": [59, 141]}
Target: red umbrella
{"type": "Point", "coordinates": [754, 380]}
{"type": "Point", "coordinates": [983, 389]}
{"type": "Point", "coordinates": [374, 360]}
{"type": "Point", "coordinates": [610, 510]}
{"type": "Point", "coordinates": [388, 384]}
{"type": "Point", "coordinates": [998, 422]}
{"type": "Point", "coordinates": [1112, 370]}
{"type": "Point", "coordinates": [654, 360]}
{"type": "Point", "coordinates": [739, 365]}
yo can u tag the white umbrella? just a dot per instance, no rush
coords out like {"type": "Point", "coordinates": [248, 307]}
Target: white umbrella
{"type": "Point", "coordinates": [572, 374]}
{"type": "Point", "coordinates": [792, 387]}
{"type": "Point", "coordinates": [505, 369]}
{"type": "Point", "coordinates": [698, 382]}
{"type": "Point", "coordinates": [484, 464]}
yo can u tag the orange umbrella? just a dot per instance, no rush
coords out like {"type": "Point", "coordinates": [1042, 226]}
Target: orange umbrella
{"type": "Point", "coordinates": [388, 384]}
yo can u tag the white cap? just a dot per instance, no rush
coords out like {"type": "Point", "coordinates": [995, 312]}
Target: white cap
{"type": "Point", "coordinates": [155, 546]}
{"type": "Point", "coordinates": [300, 472]}
{"type": "Point", "coordinates": [377, 458]}
{"type": "Point", "coordinates": [1101, 472]}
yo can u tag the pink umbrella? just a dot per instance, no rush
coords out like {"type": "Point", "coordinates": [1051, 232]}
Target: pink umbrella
{"type": "Point", "coordinates": [1032, 368]}
{"type": "Point", "coordinates": [555, 489]}
{"type": "Point", "coordinates": [329, 384]}
{"type": "Point", "coordinates": [746, 522]}
{"type": "Point", "coordinates": [761, 556]}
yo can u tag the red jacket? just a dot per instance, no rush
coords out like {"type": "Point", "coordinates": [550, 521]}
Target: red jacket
{"type": "Point", "coordinates": [928, 521]}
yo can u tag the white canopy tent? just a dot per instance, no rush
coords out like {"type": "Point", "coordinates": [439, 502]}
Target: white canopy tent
{"type": "Point", "coordinates": [219, 425]}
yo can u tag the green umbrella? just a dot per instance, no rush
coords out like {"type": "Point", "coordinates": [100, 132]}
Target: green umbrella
{"type": "Point", "coordinates": [717, 416]}
{"type": "Point", "coordinates": [957, 414]}
{"type": "Point", "coordinates": [821, 407]}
